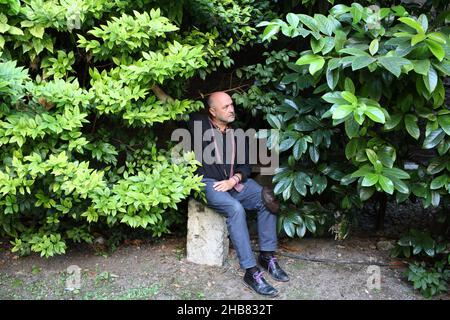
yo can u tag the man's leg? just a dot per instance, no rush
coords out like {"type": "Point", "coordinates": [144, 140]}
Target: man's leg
{"type": "Point", "coordinates": [232, 209]}
{"type": "Point", "coordinates": [251, 199]}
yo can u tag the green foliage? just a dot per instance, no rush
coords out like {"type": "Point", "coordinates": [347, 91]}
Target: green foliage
{"type": "Point", "coordinates": [353, 108]}
{"type": "Point", "coordinates": [381, 73]}
{"type": "Point", "coordinates": [418, 242]}
{"type": "Point", "coordinates": [80, 94]}
{"type": "Point", "coordinates": [429, 281]}
{"type": "Point", "coordinates": [127, 34]}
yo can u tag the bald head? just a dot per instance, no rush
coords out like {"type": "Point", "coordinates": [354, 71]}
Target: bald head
{"type": "Point", "coordinates": [217, 97]}
{"type": "Point", "coordinates": [221, 107]}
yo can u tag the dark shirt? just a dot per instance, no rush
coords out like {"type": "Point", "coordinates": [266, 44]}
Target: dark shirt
{"type": "Point", "coordinates": [218, 171]}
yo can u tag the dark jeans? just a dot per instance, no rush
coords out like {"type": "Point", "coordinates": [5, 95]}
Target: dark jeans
{"type": "Point", "coordinates": [232, 205]}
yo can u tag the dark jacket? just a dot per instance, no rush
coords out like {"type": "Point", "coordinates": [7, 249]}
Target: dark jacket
{"type": "Point", "coordinates": [216, 170]}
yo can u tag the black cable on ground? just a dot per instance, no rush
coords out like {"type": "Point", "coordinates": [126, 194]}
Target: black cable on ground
{"type": "Point", "coordinates": [332, 261]}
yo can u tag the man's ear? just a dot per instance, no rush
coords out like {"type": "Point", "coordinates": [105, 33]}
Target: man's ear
{"type": "Point", "coordinates": [212, 111]}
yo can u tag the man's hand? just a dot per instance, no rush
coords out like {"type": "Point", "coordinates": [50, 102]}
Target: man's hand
{"type": "Point", "coordinates": [224, 185]}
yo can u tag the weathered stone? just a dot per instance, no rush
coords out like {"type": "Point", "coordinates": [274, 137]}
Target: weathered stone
{"type": "Point", "coordinates": [385, 245]}
{"type": "Point", "coordinates": [207, 238]}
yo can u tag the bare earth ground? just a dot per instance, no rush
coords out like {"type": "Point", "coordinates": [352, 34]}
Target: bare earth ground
{"type": "Point", "coordinates": [140, 270]}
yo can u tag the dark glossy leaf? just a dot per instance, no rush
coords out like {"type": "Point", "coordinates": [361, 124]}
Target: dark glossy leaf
{"type": "Point", "coordinates": [393, 121]}
{"type": "Point", "coordinates": [332, 78]}
{"type": "Point", "coordinates": [437, 165]}
{"type": "Point", "coordinates": [433, 139]}
{"type": "Point", "coordinates": [289, 227]}
{"type": "Point", "coordinates": [282, 185]}
{"type": "Point", "coordinates": [396, 173]}
{"type": "Point", "coordinates": [351, 148]}
{"type": "Point", "coordinates": [300, 147]}
{"type": "Point", "coordinates": [435, 198]}
{"type": "Point", "coordinates": [314, 153]}
{"type": "Point", "coordinates": [287, 144]}
{"type": "Point", "coordinates": [393, 64]}
{"type": "Point", "coordinates": [274, 121]}
{"type": "Point", "coordinates": [419, 190]}
{"type": "Point", "coordinates": [301, 230]}
{"type": "Point", "coordinates": [366, 193]}
{"type": "Point", "coordinates": [351, 128]}
{"type": "Point", "coordinates": [310, 224]}
{"type": "Point", "coordinates": [319, 184]}
{"type": "Point", "coordinates": [411, 126]}
{"type": "Point", "coordinates": [387, 156]}
{"type": "Point", "coordinates": [439, 182]}
{"type": "Point", "coordinates": [362, 62]}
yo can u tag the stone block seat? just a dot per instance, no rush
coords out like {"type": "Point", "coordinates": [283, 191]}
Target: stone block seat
{"type": "Point", "coordinates": [207, 237]}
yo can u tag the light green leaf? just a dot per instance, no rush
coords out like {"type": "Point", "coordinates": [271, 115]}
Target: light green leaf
{"type": "Point", "coordinates": [309, 22]}
{"type": "Point", "coordinates": [292, 19]}
{"type": "Point", "coordinates": [436, 48]}
{"type": "Point", "coordinates": [438, 37]}
{"type": "Point", "coordinates": [315, 62]}
{"type": "Point", "coordinates": [270, 31]}
{"type": "Point", "coordinates": [15, 31]}
{"type": "Point", "coordinates": [37, 31]}
{"type": "Point", "coordinates": [350, 97]}
{"type": "Point", "coordinates": [308, 59]}
{"type": "Point", "coordinates": [421, 66]}
{"type": "Point", "coordinates": [444, 123]}
{"type": "Point", "coordinates": [413, 24]}
{"type": "Point", "coordinates": [376, 114]}
{"type": "Point", "coordinates": [373, 47]}
{"type": "Point", "coordinates": [386, 184]}
{"type": "Point", "coordinates": [423, 20]}
{"type": "Point", "coordinates": [357, 12]}
{"type": "Point", "coordinates": [342, 111]}
{"type": "Point", "coordinates": [417, 38]}
{"type": "Point", "coordinates": [431, 80]}
{"type": "Point", "coordinates": [370, 180]}
{"type": "Point", "coordinates": [325, 26]}
{"type": "Point", "coordinates": [372, 156]}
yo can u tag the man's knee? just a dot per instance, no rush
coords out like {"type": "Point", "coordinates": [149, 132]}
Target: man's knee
{"type": "Point", "coordinates": [236, 210]}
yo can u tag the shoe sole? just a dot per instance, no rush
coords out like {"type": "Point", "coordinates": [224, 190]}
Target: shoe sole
{"type": "Point", "coordinates": [264, 295]}
{"type": "Point", "coordinates": [279, 280]}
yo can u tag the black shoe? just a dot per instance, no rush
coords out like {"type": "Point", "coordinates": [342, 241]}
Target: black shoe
{"type": "Point", "coordinates": [273, 268]}
{"type": "Point", "coordinates": [256, 282]}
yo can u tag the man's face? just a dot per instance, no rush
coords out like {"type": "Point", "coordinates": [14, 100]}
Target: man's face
{"type": "Point", "coordinates": [223, 109]}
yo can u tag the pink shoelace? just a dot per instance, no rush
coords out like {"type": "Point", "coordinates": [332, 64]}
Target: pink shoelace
{"type": "Point", "coordinates": [272, 263]}
{"type": "Point", "coordinates": [258, 276]}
